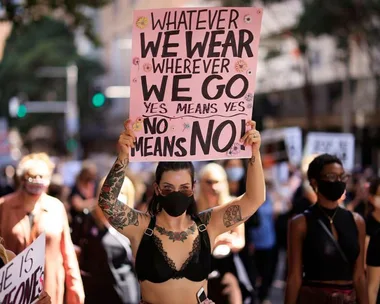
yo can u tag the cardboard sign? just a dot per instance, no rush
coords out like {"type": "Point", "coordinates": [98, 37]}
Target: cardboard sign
{"type": "Point", "coordinates": [21, 280]}
{"type": "Point", "coordinates": [282, 145]}
{"type": "Point", "coordinates": [340, 144]}
{"type": "Point", "coordinates": [193, 82]}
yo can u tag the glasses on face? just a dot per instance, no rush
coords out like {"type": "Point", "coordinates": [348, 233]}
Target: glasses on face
{"type": "Point", "coordinates": [35, 178]}
{"type": "Point", "coordinates": [333, 177]}
{"type": "Point", "coordinates": [185, 191]}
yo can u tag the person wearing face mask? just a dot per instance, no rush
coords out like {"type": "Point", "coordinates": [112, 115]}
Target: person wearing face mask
{"type": "Point", "coordinates": [213, 192]}
{"type": "Point", "coordinates": [235, 171]}
{"type": "Point", "coordinates": [28, 212]}
{"type": "Point", "coordinates": [172, 243]}
{"type": "Point", "coordinates": [326, 243]}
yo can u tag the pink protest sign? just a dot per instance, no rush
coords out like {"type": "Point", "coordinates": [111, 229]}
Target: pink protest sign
{"type": "Point", "coordinates": [193, 82]}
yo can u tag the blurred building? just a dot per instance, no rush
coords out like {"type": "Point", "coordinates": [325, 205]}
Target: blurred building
{"type": "Point", "coordinates": [280, 99]}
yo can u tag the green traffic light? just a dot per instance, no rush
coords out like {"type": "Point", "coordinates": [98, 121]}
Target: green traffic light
{"type": "Point", "coordinates": [98, 100]}
{"type": "Point", "coordinates": [71, 144]}
{"type": "Point", "coordinates": [22, 110]}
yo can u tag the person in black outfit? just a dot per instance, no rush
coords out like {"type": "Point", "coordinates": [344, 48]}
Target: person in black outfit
{"type": "Point", "coordinates": [109, 275]}
{"type": "Point", "coordinates": [373, 219]}
{"type": "Point", "coordinates": [82, 201]}
{"type": "Point", "coordinates": [326, 243]}
{"type": "Point", "coordinates": [373, 269]}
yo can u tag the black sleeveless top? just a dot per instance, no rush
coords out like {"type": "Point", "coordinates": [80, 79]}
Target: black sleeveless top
{"type": "Point", "coordinates": [1, 263]}
{"type": "Point", "coordinates": [153, 263]}
{"type": "Point", "coordinates": [322, 260]}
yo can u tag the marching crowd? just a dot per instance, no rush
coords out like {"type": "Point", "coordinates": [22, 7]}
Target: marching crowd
{"type": "Point", "coordinates": [89, 261]}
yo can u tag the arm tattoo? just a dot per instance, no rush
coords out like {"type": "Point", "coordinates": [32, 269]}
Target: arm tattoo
{"type": "Point", "coordinates": [205, 216]}
{"type": "Point", "coordinates": [252, 160]}
{"type": "Point", "coordinates": [119, 215]}
{"type": "Point", "coordinates": [232, 216]}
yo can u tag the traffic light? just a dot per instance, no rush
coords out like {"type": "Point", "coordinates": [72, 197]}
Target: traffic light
{"type": "Point", "coordinates": [98, 98]}
{"type": "Point", "coordinates": [22, 110]}
{"type": "Point", "coordinates": [71, 144]}
{"type": "Point", "coordinates": [17, 108]}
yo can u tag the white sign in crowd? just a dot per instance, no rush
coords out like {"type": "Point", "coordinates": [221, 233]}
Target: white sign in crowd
{"type": "Point", "coordinates": [21, 280]}
{"type": "Point", "coordinates": [340, 144]}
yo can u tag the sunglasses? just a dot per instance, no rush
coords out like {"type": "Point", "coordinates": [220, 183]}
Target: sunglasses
{"type": "Point", "coordinates": [165, 192]}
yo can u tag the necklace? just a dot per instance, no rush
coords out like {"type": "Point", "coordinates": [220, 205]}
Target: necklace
{"type": "Point", "coordinates": [177, 236]}
{"type": "Point", "coordinates": [331, 218]}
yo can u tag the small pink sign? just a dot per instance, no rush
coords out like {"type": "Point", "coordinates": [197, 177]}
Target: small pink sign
{"type": "Point", "coordinates": [193, 82]}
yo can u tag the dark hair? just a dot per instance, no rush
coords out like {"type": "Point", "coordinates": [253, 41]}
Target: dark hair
{"type": "Point", "coordinates": [154, 206]}
{"type": "Point", "coordinates": [318, 163]}
{"type": "Point", "coordinates": [374, 185]}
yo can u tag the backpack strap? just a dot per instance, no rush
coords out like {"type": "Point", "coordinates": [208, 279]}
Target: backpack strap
{"type": "Point", "coordinates": [202, 228]}
{"type": "Point", "coordinates": [149, 231]}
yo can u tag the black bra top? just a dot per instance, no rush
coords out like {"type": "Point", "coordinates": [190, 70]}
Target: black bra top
{"type": "Point", "coordinates": [153, 263]}
{"type": "Point", "coordinates": [1, 263]}
{"type": "Point", "coordinates": [322, 260]}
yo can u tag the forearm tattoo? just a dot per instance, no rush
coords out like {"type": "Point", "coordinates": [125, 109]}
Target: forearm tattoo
{"type": "Point", "coordinates": [119, 215]}
{"type": "Point", "coordinates": [233, 216]}
{"type": "Point", "coordinates": [252, 160]}
{"type": "Point", "coordinates": [205, 216]}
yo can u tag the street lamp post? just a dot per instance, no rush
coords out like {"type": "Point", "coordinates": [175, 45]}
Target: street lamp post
{"type": "Point", "coordinates": [72, 113]}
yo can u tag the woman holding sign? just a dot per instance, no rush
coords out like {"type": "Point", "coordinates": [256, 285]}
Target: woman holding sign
{"type": "Point", "coordinates": [5, 257]}
{"type": "Point", "coordinates": [172, 244]}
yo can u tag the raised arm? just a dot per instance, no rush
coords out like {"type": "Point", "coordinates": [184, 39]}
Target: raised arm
{"type": "Point", "coordinates": [224, 218]}
{"type": "Point", "coordinates": [126, 220]}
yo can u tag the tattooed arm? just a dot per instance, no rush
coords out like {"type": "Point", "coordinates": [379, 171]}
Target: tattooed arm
{"type": "Point", "coordinates": [119, 215]}
{"type": "Point", "coordinates": [128, 221]}
{"type": "Point", "coordinates": [226, 217]}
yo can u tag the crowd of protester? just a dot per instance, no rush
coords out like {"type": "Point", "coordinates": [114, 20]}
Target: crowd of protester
{"type": "Point", "coordinates": [87, 261]}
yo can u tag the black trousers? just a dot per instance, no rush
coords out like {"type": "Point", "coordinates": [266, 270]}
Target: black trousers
{"type": "Point", "coordinates": [266, 260]}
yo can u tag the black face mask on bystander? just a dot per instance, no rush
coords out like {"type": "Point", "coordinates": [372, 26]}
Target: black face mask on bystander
{"type": "Point", "coordinates": [331, 190]}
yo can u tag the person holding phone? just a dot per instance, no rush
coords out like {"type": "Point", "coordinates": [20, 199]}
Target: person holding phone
{"type": "Point", "coordinates": [326, 243]}
{"type": "Point", "coordinates": [172, 244]}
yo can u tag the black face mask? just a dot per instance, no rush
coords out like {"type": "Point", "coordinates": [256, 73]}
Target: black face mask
{"type": "Point", "coordinates": [175, 203]}
{"type": "Point", "coordinates": [331, 190]}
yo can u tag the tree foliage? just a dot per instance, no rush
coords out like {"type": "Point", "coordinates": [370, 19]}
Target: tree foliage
{"type": "Point", "coordinates": [73, 12]}
{"type": "Point", "coordinates": [345, 20]}
{"type": "Point", "coordinates": [42, 43]}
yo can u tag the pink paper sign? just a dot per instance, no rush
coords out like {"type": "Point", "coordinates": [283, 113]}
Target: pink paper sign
{"type": "Point", "coordinates": [193, 82]}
